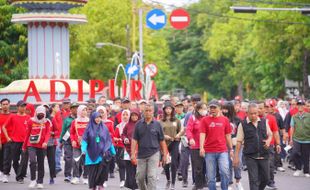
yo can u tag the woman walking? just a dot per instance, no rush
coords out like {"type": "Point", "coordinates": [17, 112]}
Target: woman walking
{"type": "Point", "coordinates": [77, 129]}
{"type": "Point", "coordinates": [173, 131]}
{"type": "Point", "coordinates": [192, 134]}
{"type": "Point", "coordinates": [37, 136]}
{"type": "Point", "coordinates": [131, 168]}
{"type": "Point", "coordinates": [98, 148]}
{"type": "Point", "coordinates": [120, 149]}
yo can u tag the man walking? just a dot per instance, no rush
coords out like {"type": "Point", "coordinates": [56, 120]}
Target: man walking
{"type": "Point", "coordinates": [215, 137]}
{"type": "Point", "coordinates": [256, 136]}
{"type": "Point", "coordinates": [149, 137]}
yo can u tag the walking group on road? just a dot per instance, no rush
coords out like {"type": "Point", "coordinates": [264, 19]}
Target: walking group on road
{"type": "Point", "coordinates": [217, 140]}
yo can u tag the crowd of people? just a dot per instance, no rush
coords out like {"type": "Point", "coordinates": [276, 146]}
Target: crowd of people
{"type": "Point", "coordinates": [217, 139]}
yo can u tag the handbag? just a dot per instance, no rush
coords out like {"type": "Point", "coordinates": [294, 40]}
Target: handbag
{"type": "Point", "coordinates": [35, 139]}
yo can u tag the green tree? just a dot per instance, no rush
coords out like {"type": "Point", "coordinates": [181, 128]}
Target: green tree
{"type": "Point", "coordinates": [13, 46]}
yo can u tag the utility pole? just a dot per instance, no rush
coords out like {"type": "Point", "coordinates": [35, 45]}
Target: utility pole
{"type": "Point", "coordinates": [134, 8]}
{"type": "Point", "coordinates": [141, 49]}
{"type": "Point", "coordinates": [128, 52]}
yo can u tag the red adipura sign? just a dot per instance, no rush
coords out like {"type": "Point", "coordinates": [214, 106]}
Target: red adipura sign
{"type": "Point", "coordinates": [95, 87]}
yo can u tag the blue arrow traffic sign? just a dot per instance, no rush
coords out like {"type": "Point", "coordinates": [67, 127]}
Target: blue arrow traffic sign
{"type": "Point", "coordinates": [133, 70]}
{"type": "Point", "coordinates": [156, 19]}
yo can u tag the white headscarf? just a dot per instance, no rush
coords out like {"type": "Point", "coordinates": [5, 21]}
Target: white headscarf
{"type": "Point", "coordinates": [123, 123]}
{"type": "Point", "coordinates": [39, 109]}
{"type": "Point", "coordinates": [104, 109]}
{"type": "Point", "coordinates": [282, 109]}
{"type": "Point", "coordinates": [79, 114]}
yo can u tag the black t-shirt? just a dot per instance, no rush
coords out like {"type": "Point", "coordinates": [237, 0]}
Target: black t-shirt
{"type": "Point", "coordinates": [148, 137]}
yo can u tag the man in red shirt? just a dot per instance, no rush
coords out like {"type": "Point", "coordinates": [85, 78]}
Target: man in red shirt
{"type": "Point", "coordinates": [215, 137]}
{"type": "Point", "coordinates": [4, 115]}
{"type": "Point", "coordinates": [14, 130]}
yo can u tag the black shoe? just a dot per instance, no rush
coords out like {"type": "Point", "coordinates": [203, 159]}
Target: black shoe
{"type": "Point", "coordinates": [112, 175]}
{"type": "Point", "coordinates": [271, 186]}
{"type": "Point", "coordinates": [180, 178]}
{"type": "Point", "coordinates": [20, 181]}
{"type": "Point", "coordinates": [185, 184]}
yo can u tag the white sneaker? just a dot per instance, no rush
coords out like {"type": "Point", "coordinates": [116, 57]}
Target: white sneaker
{"type": "Point", "coordinates": [85, 181]}
{"type": "Point", "coordinates": [75, 181]}
{"type": "Point", "coordinates": [239, 186]}
{"type": "Point", "coordinates": [5, 179]}
{"type": "Point", "coordinates": [105, 184]}
{"type": "Point", "coordinates": [32, 184]}
{"type": "Point", "coordinates": [1, 176]}
{"type": "Point", "coordinates": [122, 184]}
{"type": "Point", "coordinates": [297, 173]}
{"type": "Point", "coordinates": [40, 186]}
{"type": "Point", "coordinates": [307, 175]}
{"type": "Point", "coordinates": [230, 187]}
{"type": "Point", "coordinates": [218, 184]}
{"type": "Point", "coordinates": [280, 169]}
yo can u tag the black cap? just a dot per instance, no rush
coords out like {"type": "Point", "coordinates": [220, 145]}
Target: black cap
{"type": "Point", "coordinates": [196, 98]}
{"type": "Point", "coordinates": [91, 100]}
{"type": "Point", "coordinates": [74, 104]}
{"type": "Point", "coordinates": [21, 103]}
{"type": "Point", "coordinates": [66, 101]}
{"type": "Point", "coordinates": [125, 100]}
{"type": "Point", "coordinates": [214, 103]}
{"type": "Point", "coordinates": [168, 104]}
{"type": "Point", "coordinates": [300, 102]}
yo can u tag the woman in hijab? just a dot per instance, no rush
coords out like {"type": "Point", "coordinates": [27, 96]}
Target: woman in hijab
{"type": "Point", "coordinates": [97, 147]}
{"type": "Point", "coordinates": [37, 136]}
{"type": "Point", "coordinates": [110, 125]}
{"type": "Point", "coordinates": [30, 109]}
{"type": "Point", "coordinates": [120, 146]}
{"type": "Point", "coordinates": [131, 168]}
{"type": "Point", "coordinates": [77, 129]}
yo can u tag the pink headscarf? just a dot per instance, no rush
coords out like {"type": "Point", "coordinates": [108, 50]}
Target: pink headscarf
{"type": "Point", "coordinates": [79, 114]}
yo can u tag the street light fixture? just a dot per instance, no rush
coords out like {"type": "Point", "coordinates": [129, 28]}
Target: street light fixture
{"type": "Point", "coordinates": [101, 44]}
{"type": "Point", "coordinates": [244, 9]}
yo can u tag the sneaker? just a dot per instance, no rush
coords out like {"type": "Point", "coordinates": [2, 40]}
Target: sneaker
{"type": "Point", "coordinates": [75, 181]}
{"type": "Point", "coordinates": [67, 179]}
{"type": "Point", "coordinates": [307, 175]}
{"type": "Point", "coordinates": [239, 186]}
{"type": "Point", "coordinates": [32, 184]}
{"type": "Point", "coordinates": [112, 175]}
{"type": "Point", "coordinates": [40, 186]}
{"type": "Point", "coordinates": [52, 181]}
{"type": "Point", "coordinates": [172, 187]}
{"type": "Point", "coordinates": [185, 184]}
{"type": "Point", "coordinates": [297, 173]}
{"type": "Point", "coordinates": [105, 184]}
{"type": "Point", "coordinates": [168, 185]}
{"type": "Point", "coordinates": [218, 184]}
{"type": "Point", "coordinates": [230, 187]}
{"type": "Point", "coordinates": [271, 186]}
{"type": "Point", "coordinates": [20, 181]}
{"type": "Point", "coordinates": [180, 178]}
{"type": "Point", "coordinates": [85, 181]}
{"type": "Point", "coordinates": [122, 184]}
{"type": "Point", "coordinates": [280, 169]}
{"type": "Point", "coordinates": [1, 176]}
{"type": "Point", "coordinates": [5, 179]}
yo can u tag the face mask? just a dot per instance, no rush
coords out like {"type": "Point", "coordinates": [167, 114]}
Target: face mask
{"type": "Point", "coordinates": [225, 113]}
{"type": "Point", "coordinates": [203, 112]}
{"type": "Point", "coordinates": [40, 116]}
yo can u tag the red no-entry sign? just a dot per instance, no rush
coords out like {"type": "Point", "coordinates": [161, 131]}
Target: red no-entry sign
{"type": "Point", "coordinates": [179, 19]}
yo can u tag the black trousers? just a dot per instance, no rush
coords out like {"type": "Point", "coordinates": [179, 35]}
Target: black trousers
{"type": "Point", "coordinates": [36, 158]}
{"type": "Point", "coordinates": [184, 162]}
{"type": "Point", "coordinates": [50, 154]}
{"type": "Point", "coordinates": [68, 157]}
{"type": "Point", "coordinates": [271, 164]}
{"type": "Point", "coordinates": [173, 150]}
{"type": "Point", "coordinates": [1, 158]}
{"type": "Point", "coordinates": [13, 152]}
{"type": "Point", "coordinates": [97, 174]}
{"type": "Point", "coordinates": [112, 165]}
{"type": "Point", "coordinates": [259, 171]}
{"type": "Point", "coordinates": [79, 166]}
{"type": "Point", "coordinates": [131, 171]}
{"type": "Point", "coordinates": [300, 155]}
{"type": "Point", "coordinates": [121, 163]}
{"type": "Point", "coordinates": [198, 167]}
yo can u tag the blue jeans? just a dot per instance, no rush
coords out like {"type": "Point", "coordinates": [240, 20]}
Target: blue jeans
{"type": "Point", "coordinates": [58, 156]}
{"type": "Point", "coordinates": [220, 160]}
{"type": "Point", "coordinates": [235, 170]}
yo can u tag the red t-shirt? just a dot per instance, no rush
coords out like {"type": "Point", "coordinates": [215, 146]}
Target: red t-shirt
{"type": "Point", "coordinates": [34, 128]}
{"type": "Point", "coordinates": [76, 132]}
{"type": "Point", "coordinates": [272, 122]}
{"type": "Point", "coordinates": [3, 118]}
{"type": "Point", "coordinates": [16, 126]}
{"type": "Point", "coordinates": [216, 129]}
